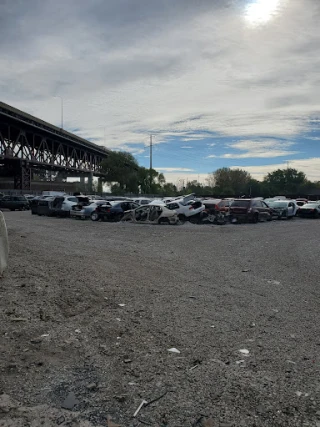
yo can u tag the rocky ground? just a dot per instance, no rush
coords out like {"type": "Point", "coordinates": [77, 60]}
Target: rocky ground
{"type": "Point", "coordinates": [89, 312]}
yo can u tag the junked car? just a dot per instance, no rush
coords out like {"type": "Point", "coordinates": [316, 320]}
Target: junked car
{"type": "Point", "coordinates": [112, 211]}
{"type": "Point", "coordinates": [152, 214]}
{"type": "Point", "coordinates": [311, 210]}
{"type": "Point", "coordinates": [283, 208]}
{"type": "Point", "coordinates": [84, 211]}
{"type": "Point", "coordinates": [249, 210]}
{"type": "Point", "coordinates": [190, 210]}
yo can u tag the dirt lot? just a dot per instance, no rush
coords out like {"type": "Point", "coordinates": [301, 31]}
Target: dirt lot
{"type": "Point", "coordinates": [208, 291]}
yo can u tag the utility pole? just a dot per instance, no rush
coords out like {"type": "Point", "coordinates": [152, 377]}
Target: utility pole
{"type": "Point", "coordinates": [150, 162]}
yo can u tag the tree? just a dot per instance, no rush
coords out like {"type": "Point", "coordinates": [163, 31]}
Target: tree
{"type": "Point", "coordinates": [230, 182]}
{"type": "Point", "coordinates": [122, 168]}
{"type": "Point", "coordinates": [285, 181]}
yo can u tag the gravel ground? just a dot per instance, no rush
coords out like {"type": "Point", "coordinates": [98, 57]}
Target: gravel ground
{"type": "Point", "coordinates": [89, 311]}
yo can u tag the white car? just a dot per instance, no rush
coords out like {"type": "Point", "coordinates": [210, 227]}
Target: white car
{"type": "Point", "coordinates": [190, 211]}
{"type": "Point", "coordinates": [142, 201]}
{"type": "Point", "coordinates": [152, 214]}
{"type": "Point", "coordinates": [283, 208]}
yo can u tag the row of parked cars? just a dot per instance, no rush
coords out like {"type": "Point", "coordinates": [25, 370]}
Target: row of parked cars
{"type": "Point", "coordinates": [173, 210]}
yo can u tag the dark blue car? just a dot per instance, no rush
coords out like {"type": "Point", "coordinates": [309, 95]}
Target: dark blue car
{"type": "Point", "coordinates": [113, 212]}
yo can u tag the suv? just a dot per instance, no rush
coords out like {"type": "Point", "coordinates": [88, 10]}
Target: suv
{"type": "Point", "coordinates": [249, 210]}
{"type": "Point", "coordinates": [14, 203]}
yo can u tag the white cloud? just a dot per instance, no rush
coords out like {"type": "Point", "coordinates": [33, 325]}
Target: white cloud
{"type": "Point", "coordinates": [266, 148]}
{"type": "Point", "coordinates": [311, 167]}
{"type": "Point", "coordinates": [174, 169]}
{"type": "Point", "coordinates": [201, 69]}
{"type": "Point", "coordinates": [186, 146]}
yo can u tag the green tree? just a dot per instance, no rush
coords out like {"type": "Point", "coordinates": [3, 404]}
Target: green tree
{"type": "Point", "coordinates": [122, 168]}
{"type": "Point", "coordinates": [285, 182]}
{"type": "Point", "coordinates": [230, 182]}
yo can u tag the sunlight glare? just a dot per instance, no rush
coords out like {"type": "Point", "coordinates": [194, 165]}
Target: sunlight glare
{"type": "Point", "coordinates": [261, 11]}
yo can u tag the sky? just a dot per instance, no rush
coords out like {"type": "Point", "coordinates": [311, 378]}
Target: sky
{"type": "Point", "coordinates": [218, 83]}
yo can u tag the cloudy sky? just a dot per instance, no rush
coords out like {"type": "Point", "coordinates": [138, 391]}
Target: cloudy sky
{"type": "Point", "coordinates": [217, 82]}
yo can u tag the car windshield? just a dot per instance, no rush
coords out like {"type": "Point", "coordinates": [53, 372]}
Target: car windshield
{"type": "Point", "coordinates": [278, 204]}
{"type": "Point", "coordinates": [240, 203]}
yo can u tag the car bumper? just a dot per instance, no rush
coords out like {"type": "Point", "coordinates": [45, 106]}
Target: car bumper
{"type": "Point", "coordinates": [78, 214]}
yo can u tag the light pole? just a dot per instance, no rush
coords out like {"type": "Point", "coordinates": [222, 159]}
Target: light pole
{"type": "Point", "coordinates": [61, 110]}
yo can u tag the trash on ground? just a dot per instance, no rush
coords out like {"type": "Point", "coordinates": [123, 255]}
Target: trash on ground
{"type": "Point", "coordinates": [139, 408]}
{"type": "Point", "coordinates": [244, 351]}
{"type": "Point", "coordinates": [78, 331]}
{"type": "Point", "coordinates": [274, 282]}
{"type": "Point", "coordinates": [245, 270]}
{"type": "Point", "coordinates": [173, 350]}
{"type": "Point", "coordinates": [122, 305]}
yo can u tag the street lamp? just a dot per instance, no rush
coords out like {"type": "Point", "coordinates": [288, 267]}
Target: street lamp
{"type": "Point", "coordinates": [61, 110]}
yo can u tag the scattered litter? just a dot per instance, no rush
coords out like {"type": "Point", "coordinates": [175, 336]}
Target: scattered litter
{"type": "Point", "coordinates": [299, 393]}
{"type": "Point", "coordinates": [119, 320]}
{"type": "Point", "coordinates": [70, 401]}
{"type": "Point", "coordinates": [131, 383]}
{"type": "Point", "coordinates": [174, 350]}
{"type": "Point", "coordinates": [122, 305]}
{"type": "Point", "coordinates": [239, 362]}
{"type": "Point", "coordinates": [105, 298]}
{"type": "Point", "coordinates": [192, 297]}
{"type": "Point", "coordinates": [78, 331]}
{"type": "Point", "coordinates": [36, 340]}
{"type": "Point", "coordinates": [91, 386]}
{"type": "Point", "coordinates": [193, 367]}
{"type": "Point", "coordinates": [118, 338]}
{"type": "Point", "coordinates": [275, 310]}
{"type": "Point", "coordinates": [127, 360]}
{"type": "Point", "coordinates": [18, 319]}
{"type": "Point", "coordinates": [45, 335]}
{"type": "Point", "coordinates": [244, 351]}
{"type": "Point", "coordinates": [274, 282]}
{"type": "Point", "coordinates": [245, 270]}
{"type": "Point", "coordinates": [212, 326]}
{"type": "Point", "coordinates": [139, 408]}
{"type": "Point", "coordinates": [291, 361]}
{"type": "Point", "coordinates": [252, 325]}
{"type": "Point", "coordinates": [292, 336]}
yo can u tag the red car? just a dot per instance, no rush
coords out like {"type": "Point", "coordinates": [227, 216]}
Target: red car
{"type": "Point", "coordinates": [249, 210]}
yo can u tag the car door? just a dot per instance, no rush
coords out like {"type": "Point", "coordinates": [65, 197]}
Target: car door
{"type": "Point", "coordinates": [142, 214]}
{"type": "Point", "coordinates": [291, 209]}
{"type": "Point", "coordinates": [265, 210]}
{"type": "Point", "coordinates": [258, 207]}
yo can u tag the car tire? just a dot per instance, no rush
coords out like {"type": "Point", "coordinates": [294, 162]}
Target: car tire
{"type": "Point", "coordinates": [94, 216]}
{"type": "Point", "coordinates": [255, 218]}
{"type": "Point", "coordinates": [316, 215]}
{"type": "Point", "coordinates": [269, 218]}
{"type": "Point", "coordinates": [12, 210]}
{"type": "Point", "coordinates": [182, 219]}
{"type": "Point", "coordinates": [194, 219]}
{"type": "Point", "coordinates": [118, 217]}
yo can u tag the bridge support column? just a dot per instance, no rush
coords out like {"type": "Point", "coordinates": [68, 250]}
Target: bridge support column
{"type": "Point", "coordinates": [90, 182]}
{"type": "Point", "coordinates": [100, 186]}
{"type": "Point", "coordinates": [22, 178]}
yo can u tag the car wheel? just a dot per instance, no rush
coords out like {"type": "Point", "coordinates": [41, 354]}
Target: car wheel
{"type": "Point", "coordinates": [194, 219]}
{"type": "Point", "coordinates": [269, 217]}
{"type": "Point", "coordinates": [118, 217]}
{"type": "Point", "coordinates": [255, 218]}
{"type": "Point", "coordinates": [94, 216]}
{"type": "Point", "coordinates": [182, 219]}
{"type": "Point", "coordinates": [316, 214]}
{"type": "Point", "coordinates": [12, 210]}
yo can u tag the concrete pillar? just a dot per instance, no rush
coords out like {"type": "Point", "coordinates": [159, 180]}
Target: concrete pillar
{"type": "Point", "coordinates": [90, 182]}
{"type": "Point", "coordinates": [100, 186]}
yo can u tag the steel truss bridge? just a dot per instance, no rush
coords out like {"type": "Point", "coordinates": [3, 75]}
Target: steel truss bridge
{"type": "Point", "coordinates": [28, 143]}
